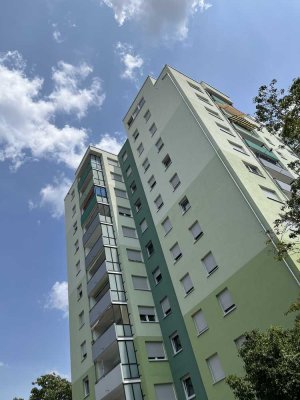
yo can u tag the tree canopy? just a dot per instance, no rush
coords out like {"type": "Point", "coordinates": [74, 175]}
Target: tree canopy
{"type": "Point", "coordinates": [279, 112]}
{"type": "Point", "coordinates": [51, 387]}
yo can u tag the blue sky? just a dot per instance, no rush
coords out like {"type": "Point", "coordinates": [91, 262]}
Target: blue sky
{"type": "Point", "coordinates": [69, 69]}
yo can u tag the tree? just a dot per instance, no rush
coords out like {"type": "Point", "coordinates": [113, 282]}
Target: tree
{"type": "Point", "coordinates": [272, 364]}
{"type": "Point", "coordinates": [51, 387]}
{"type": "Point", "coordinates": [279, 112]}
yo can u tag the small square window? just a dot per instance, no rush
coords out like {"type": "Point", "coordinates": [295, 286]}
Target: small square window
{"type": "Point", "coordinates": [165, 306]}
{"type": "Point", "coordinates": [202, 98]}
{"type": "Point", "coordinates": [215, 367]}
{"type": "Point", "coordinates": [153, 129]}
{"type": "Point", "coordinates": [124, 211]}
{"type": "Point", "coordinates": [167, 161]}
{"type": "Point", "coordinates": [200, 322]}
{"type": "Point", "coordinates": [187, 284]}
{"type": "Point", "coordinates": [253, 169]}
{"type": "Point", "coordinates": [77, 267]}
{"type": "Point", "coordinates": [128, 171]}
{"type": "Point", "coordinates": [114, 163]}
{"type": "Point", "coordinates": [195, 87]}
{"type": "Point", "coordinates": [240, 341]}
{"type": "Point", "coordinates": [150, 249]}
{"type": "Point", "coordinates": [86, 387]}
{"type": "Point", "coordinates": [140, 283]}
{"type": "Point", "coordinates": [213, 113]}
{"type": "Point", "coordinates": [196, 230]}
{"type": "Point", "coordinates": [159, 144]}
{"type": "Point", "coordinates": [133, 187]}
{"type": "Point", "coordinates": [83, 350]}
{"type": "Point", "coordinates": [129, 232]}
{"type": "Point", "coordinates": [167, 226]}
{"type": "Point", "coordinates": [176, 343]}
{"type": "Point", "coordinates": [147, 115]}
{"type": "Point", "coordinates": [270, 194]}
{"type": "Point", "coordinates": [79, 292]}
{"type": "Point", "coordinates": [225, 129]}
{"type": "Point", "coordinates": [159, 202]}
{"type": "Point", "coordinates": [81, 319]}
{"type": "Point", "coordinates": [120, 193]}
{"type": "Point", "coordinates": [75, 227]}
{"type": "Point", "coordinates": [138, 205]}
{"type": "Point", "coordinates": [155, 351]}
{"type": "Point", "coordinates": [188, 387]}
{"type": "Point", "coordinates": [135, 134]}
{"type": "Point", "coordinates": [140, 149]}
{"type": "Point", "coordinates": [73, 210]}
{"type": "Point", "coordinates": [176, 252]}
{"type": "Point", "coordinates": [209, 263]}
{"type": "Point", "coordinates": [143, 225]}
{"type": "Point", "coordinates": [124, 156]}
{"type": "Point", "coordinates": [116, 177]}
{"type": "Point", "coordinates": [226, 301]}
{"type": "Point", "coordinates": [175, 181]}
{"type": "Point", "coordinates": [152, 182]}
{"type": "Point", "coordinates": [147, 314]}
{"type": "Point", "coordinates": [134, 255]}
{"type": "Point", "coordinates": [146, 165]}
{"type": "Point", "coordinates": [157, 275]}
{"type": "Point", "coordinates": [238, 147]}
{"type": "Point", "coordinates": [184, 205]}
{"type": "Point", "coordinates": [72, 194]}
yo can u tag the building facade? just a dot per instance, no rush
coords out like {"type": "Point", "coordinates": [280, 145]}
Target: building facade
{"type": "Point", "coordinates": [171, 247]}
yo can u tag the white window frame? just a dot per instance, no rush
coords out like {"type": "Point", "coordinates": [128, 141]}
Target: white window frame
{"type": "Point", "coordinates": [156, 274]}
{"type": "Point", "coordinates": [187, 396]}
{"type": "Point", "coordinates": [202, 319]}
{"type": "Point", "coordinates": [226, 308]}
{"type": "Point", "coordinates": [215, 360]}
{"type": "Point", "coordinates": [166, 306]}
{"type": "Point", "coordinates": [192, 230]}
{"type": "Point", "coordinates": [145, 311]}
{"type": "Point", "coordinates": [158, 206]}
{"type": "Point", "coordinates": [209, 263]}
{"type": "Point", "coordinates": [174, 348]}
{"type": "Point", "coordinates": [167, 225]}
{"type": "Point", "coordinates": [157, 353]}
{"type": "Point", "coordinates": [187, 284]}
{"type": "Point", "coordinates": [179, 255]}
{"type": "Point", "coordinates": [175, 181]}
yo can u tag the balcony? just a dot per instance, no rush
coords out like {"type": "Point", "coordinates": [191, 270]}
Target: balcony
{"type": "Point", "coordinates": [110, 386]}
{"type": "Point", "coordinates": [102, 305]}
{"type": "Point", "coordinates": [83, 176]}
{"type": "Point", "coordinates": [86, 193]}
{"type": "Point", "coordinates": [97, 279]}
{"type": "Point", "coordinates": [94, 252]}
{"type": "Point", "coordinates": [91, 229]}
{"type": "Point", "coordinates": [261, 150]}
{"type": "Point", "coordinates": [88, 210]}
{"type": "Point", "coordinates": [277, 171]}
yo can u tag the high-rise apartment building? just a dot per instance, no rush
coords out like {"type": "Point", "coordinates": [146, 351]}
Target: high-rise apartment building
{"type": "Point", "coordinates": [171, 247]}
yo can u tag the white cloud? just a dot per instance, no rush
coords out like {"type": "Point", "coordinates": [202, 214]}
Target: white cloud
{"type": "Point", "coordinates": [27, 117]}
{"type": "Point", "coordinates": [132, 63]}
{"type": "Point", "coordinates": [52, 195]}
{"type": "Point", "coordinates": [110, 143]}
{"type": "Point", "coordinates": [58, 298]}
{"type": "Point", "coordinates": [2, 364]}
{"type": "Point", "coordinates": [57, 36]}
{"type": "Point", "coordinates": [168, 19]}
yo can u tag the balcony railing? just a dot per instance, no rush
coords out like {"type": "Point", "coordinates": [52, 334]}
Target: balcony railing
{"type": "Point", "coordinates": [96, 249]}
{"type": "Point", "coordinates": [277, 168]}
{"type": "Point", "coordinates": [83, 176]}
{"type": "Point", "coordinates": [104, 302]}
{"type": "Point", "coordinates": [86, 192]}
{"type": "Point", "coordinates": [109, 383]}
{"type": "Point", "coordinates": [261, 150]}
{"type": "Point", "coordinates": [88, 210]}
{"type": "Point", "coordinates": [96, 279]}
{"type": "Point", "coordinates": [91, 229]}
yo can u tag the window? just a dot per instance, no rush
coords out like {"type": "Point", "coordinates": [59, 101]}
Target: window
{"type": "Point", "coordinates": [200, 322]}
{"type": "Point", "coordinates": [147, 115]}
{"type": "Point", "coordinates": [86, 387]}
{"type": "Point", "coordinates": [164, 391]}
{"type": "Point", "coordinates": [133, 187]}
{"type": "Point", "coordinates": [240, 341]}
{"type": "Point", "coordinates": [209, 263]}
{"type": "Point", "coordinates": [202, 98]}
{"type": "Point", "coordinates": [138, 205]}
{"type": "Point", "coordinates": [129, 232]}
{"type": "Point", "coordinates": [176, 252]}
{"type": "Point", "coordinates": [215, 368]}
{"type": "Point", "coordinates": [75, 227]}
{"type": "Point", "coordinates": [238, 148]}
{"type": "Point", "coordinates": [155, 351]}
{"type": "Point", "coordinates": [143, 225]}
{"type": "Point", "coordinates": [121, 193]}
{"type": "Point", "coordinates": [213, 113]}
{"type": "Point", "coordinates": [72, 194]}
{"type": "Point", "coordinates": [112, 162]}
{"type": "Point", "coordinates": [73, 210]}
{"type": "Point", "coordinates": [184, 205]}
{"type": "Point", "coordinates": [135, 112]}
{"type": "Point", "coordinates": [187, 284]}
{"type": "Point", "coordinates": [134, 255]}
{"type": "Point", "coordinates": [83, 350]}
{"type": "Point", "coordinates": [140, 283]}
{"type": "Point", "coordinates": [225, 129]}
{"type": "Point", "coordinates": [159, 202]}
{"type": "Point", "coordinates": [159, 144]}
{"type": "Point", "coordinates": [79, 292]}
{"type": "Point", "coordinates": [124, 156]}
{"type": "Point", "coordinates": [152, 182]}
{"type": "Point", "coordinates": [157, 275]}
{"type": "Point", "coordinates": [116, 177]}
{"type": "Point", "coordinates": [140, 149]}
{"type": "Point", "coordinates": [196, 230]}
{"type": "Point", "coordinates": [271, 194]}
{"type": "Point", "coordinates": [81, 319]}
{"type": "Point", "coordinates": [175, 182]}
{"type": "Point", "coordinates": [176, 343]}
{"type": "Point", "coordinates": [226, 301]}
{"type": "Point", "coordinates": [147, 314]}
{"type": "Point", "coordinates": [188, 388]}
{"type": "Point", "coordinates": [253, 169]}
{"type": "Point", "coordinates": [153, 129]}
{"type": "Point", "coordinates": [135, 134]}
{"type": "Point", "coordinates": [167, 226]}
{"type": "Point", "coordinates": [128, 171]}
{"type": "Point", "coordinates": [124, 211]}
{"type": "Point", "coordinates": [167, 161]}
{"type": "Point", "coordinates": [165, 306]}
{"type": "Point", "coordinates": [268, 140]}
{"type": "Point", "coordinates": [77, 267]}
{"type": "Point", "coordinates": [146, 165]}
{"type": "Point", "coordinates": [194, 86]}
{"type": "Point", "coordinates": [150, 249]}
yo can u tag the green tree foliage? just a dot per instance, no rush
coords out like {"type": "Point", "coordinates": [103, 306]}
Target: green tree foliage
{"type": "Point", "coordinates": [279, 112]}
{"type": "Point", "coordinates": [272, 364]}
{"type": "Point", "coordinates": [51, 387]}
